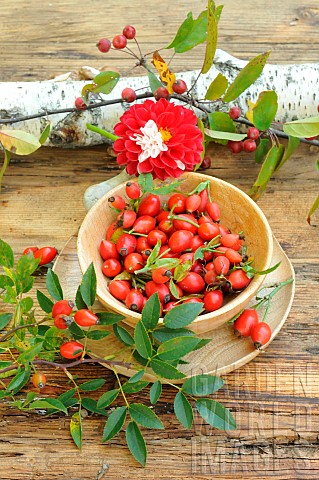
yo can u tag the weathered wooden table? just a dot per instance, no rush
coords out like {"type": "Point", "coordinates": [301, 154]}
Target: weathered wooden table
{"type": "Point", "coordinates": [275, 397]}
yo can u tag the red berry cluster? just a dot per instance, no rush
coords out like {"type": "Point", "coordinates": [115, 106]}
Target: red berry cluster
{"type": "Point", "coordinates": [46, 254]}
{"type": "Point", "coordinates": [248, 145]}
{"type": "Point", "coordinates": [248, 325]}
{"type": "Point", "coordinates": [204, 259]}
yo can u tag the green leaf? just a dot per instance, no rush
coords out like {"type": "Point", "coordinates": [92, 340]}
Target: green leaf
{"type": "Point", "coordinates": [163, 334]}
{"type": "Point", "coordinates": [123, 335]}
{"type": "Point", "coordinates": [212, 35]}
{"type": "Point", "coordinates": [201, 385]}
{"type": "Point", "coordinates": [64, 397]}
{"type": "Point", "coordinates": [5, 364]}
{"type": "Point", "coordinates": [45, 134]}
{"type": "Point", "coordinates": [107, 398]}
{"type": "Point", "coordinates": [303, 128]}
{"type": "Point", "coordinates": [79, 302]}
{"type": "Point", "coordinates": [49, 403]}
{"type": "Point", "coordinates": [105, 81]}
{"type": "Point", "coordinates": [215, 414]}
{"type": "Point", "coordinates": [19, 142]}
{"type": "Point", "coordinates": [145, 181]}
{"type": "Point", "coordinates": [183, 410]}
{"type": "Point", "coordinates": [151, 312]}
{"type": "Point", "coordinates": [190, 33]}
{"type": "Point", "coordinates": [76, 429]}
{"type": "Point", "coordinates": [155, 391]}
{"type": "Point", "coordinates": [217, 87]}
{"type": "Point", "coordinates": [5, 318]}
{"type": "Point", "coordinates": [165, 370]}
{"type": "Point", "coordinates": [144, 416]}
{"type": "Point", "coordinates": [136, 443]}
{"type": "Point", "coordinates": [29, 354]}
{"type": "Point", "coordinates": [97, 334]}
{"type": "Point", "coordinates": [53, 285]}
{"type": "Point", "coordinates": [114, 423]}
{"type": "Point", "coordinates": [265, 109]}
{"type": "Point", "coordinates": [176, 348]}
{"type": "Point", "coordinates": [26, 304]}
{"type": "Point", "coordinates": [142, 340]}
{"type": "Point", "coordinates": [173, 288]}
{"type": "Point", "coordinates": [76, 331]}
{"type": "Point", "coordinates": [88, 285]}
{"type": "Point", "coordinates": [6, 255]}
{"type": "Point", "coordinates": [182, 315]}
{"type": "Point", "coordinates": [214, 134]}
{"type": "Point", "coordinates": [313, 208]}
{"type": "Point", "coordinates": [293, 144]}
{"type": "Point", "coordinates": [45, 302]}
{"type": "Point", "coordinates": [29, 398]}
{"type": "Point", "coordinates": [221, 122]}
{"type": "Point", "coordinates": [262, 150]}
{"type": "Point", "coordinates": [91, 405]}
{"type": "Point", "coordinates": [246, 77]}
{"type": "Point", "coordinates": [5, 281]}
{"type": "Point", "coordinates": [109, 318]}
{"type": "Point", "coordinates": [153, 81]}
{"type": "Point", "coordinates": [218, 12]}
{"type": "Point", "coordinates": [136, 377]}
{"type": "Point", "coordinates": [167, 188]}
{"type": "Point", "coordinates": [134, 387]}
{"type": "Point", "coordinates": [272, 159]}
{"type": "Point", "coordinates": [92, 385]}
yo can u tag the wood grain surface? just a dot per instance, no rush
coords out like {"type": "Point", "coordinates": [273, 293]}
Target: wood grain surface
{"type": "Point", "coordinates": [275, 397]}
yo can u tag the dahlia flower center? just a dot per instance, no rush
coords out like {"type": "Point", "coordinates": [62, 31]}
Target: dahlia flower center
{"type": "Point", "coordinates": [150, 140]}
{"type": "Point", "coordinates": [166, 134]}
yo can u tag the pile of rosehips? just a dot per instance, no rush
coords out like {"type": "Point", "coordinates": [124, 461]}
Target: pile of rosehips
{"type": "Point", "coordinates": [176, 248]}
{"type": "Point", "coordinates": [248, 325]}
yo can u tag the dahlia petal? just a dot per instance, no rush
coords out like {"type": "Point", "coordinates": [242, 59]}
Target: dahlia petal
{"type": "Point", "coordinates": [144, 167]}
{"type": "Point", "coordinates": [132, 146]}
{"type": "Point", "coordinates": [121, 159]}
{"type": "Point", "coordinates": [119, 145]}
{"type": "Point", "coordinates": [132, 168]}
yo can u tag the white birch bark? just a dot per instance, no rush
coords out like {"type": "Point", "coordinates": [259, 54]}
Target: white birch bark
{"type": "Point", "coordinates": [297, 87]}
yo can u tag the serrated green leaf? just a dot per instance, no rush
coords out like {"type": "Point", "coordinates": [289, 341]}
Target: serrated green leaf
{"type": "Point", "coordinates": [19, 380]}
{"type": "Point", "coordinates": [151, 312]}
{"type": "Point", "coordinates": [76, 331]}
{"type": "Point", "coordinates": [107, 398]}
{"type": "Point", "coordinates": [49, 403]}
{"type": "Point", "coordinates": [142, 340]}
{"type": "Point", "coordinates": [92, 385]}
{"type": "Point", "coordinates": [45, 134]}
{"type": "Point", "coordinates": [272, 159]}
{"type": "Point", "coordinates": [5, 281]}
{"type": "Point", "coordinates": [201, 385]}
{"type": "Point", "coordinates": [215, 414]}
{"type": "Point", "coordinates": [246, 77]}
{"type": "Point", "coordinates": [106, 82]}
{"type": "Point", "coordinates": [145, 181]}
{"type": "Point", "coordinates": [217, 87]}
{"type": "Point", "coordinates": [167, 188]}
{"type": "Point", "coordinates": [30, 353]}
{"type": "Point", "coordinates": [45, 302]}
{"type": "Point", "coordinates": [53, 285]}
{"type": "Point", "coordinates": [293, 144]}
{"type": "Point", "coordinates": [153, 81]}
{"type": "Point", "coordinates": [64, 397]}
{"type": "Point", "coordinates": [165, 370]}
{"type": "Point", "coordinates": [122, 334]}
{"type": "Point", "coordinates": [262, 150]}
{"type": "Point", "coordinates": [114, 423]}
{"type": "Point", "coordinates": [5, 318]}
{"type": "Point", "coordinates": [109, 318]}
{"type": "Point", "coordinates": [183, 410]}
{"type": "Point", "coordinates": [173, 289]}
{"type": "Point", "coordinates": [144, 416]}
{"type": "Point", "coordinates": [88, 285]}
{"type": "Point", "coordinates": [216, 135]}
{"type": "Point", "coordinates": [26, 304]}
{"type": "Point", "coordinates": [302, 128]}
{"type": "Point", "coordinates": [212, 35]}
{"type": "Point", "coordinates": [313, 208]}
{"type": "Point", "coordinates": [76, 429]}
{"type": "Point", "coordinates": [91, 405]}
{"type": "Point", "coordinates": [155, 391]}
{"type": "Point", "coordinates": [6, 255]}
{"type": "Point", "coordinates": [136, 377]}
{"type": "Point", "coordinates": [176, 348]}
{"type": "Point", "coordinates": [136, 443]}
{"type": "Point", "coordinates": [190, 33]}
{"type": "Point", "coordinates": [29, 398]}
{"type": "Point", "coordinates": [19, 142]}
{"type": "Point", "coordinates": [130, 388]}
{"type": "Point", "coordinates": [265, 109]}
{"type": "Point", "coordinates": [182, 315]}
{"type": "Point", "coordinates": [79, 302]}
{"type": "Point", "coordinates": [97, 334]}
{"type": "Point", "coordinates": [163, 334]}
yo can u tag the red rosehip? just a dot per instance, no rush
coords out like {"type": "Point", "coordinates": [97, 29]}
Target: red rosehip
{"type": "Point", "coordinates": [135, 300]}
{"type": "Point", "coordinates": [128, 95]}
{"type": "Point", "coordinates": [249, 145]}
{"type": "Point", "coordinates": [117, 202]}
{"type": "Point", "coordinates": [235, 147]}
{"type": "Point", "coordinates": [179, 86]}
{"type": "Point", "coordinates": [246, 321]}
{"type": "Point", "coordinates": [119, 42]}
{"type": "Point", "coordinates": [132, 190]}
{"type": "Point", "coordinates": [104, 45]}
{"type": "Point", "coordinates": [62, 307]}
{"type": "Point", "coordinates": [30, 250]}
{"type": "Point", "coordinates": [213, 300]}
{"type": "Point", "coordinates": [161, 92]}
{"type": "Point", "coordinates": [71, 350]}
{"type": "Point", "coordinates": [253, 133]}
{"type": "Point", "coordinates": [192, 283]}
{"type": "Point", "coordinates": [39, 380]}
{"type": "Point", "coordinates": [85, 318]}
{"type": "Point", "coordinates": [119, 289]}
{"type": "Point", "coordinates": [46, 255]}
{"type": "Point", "coordinates": [260, 334]}
{"type": "Point", "coordinates": [234, 113]}
{"type": "Point", "coordinates": [79, 103]}
{"type": "Point", "coordinates": [206, 163]}
{"type": "Point", "coordinates": [129, 32]}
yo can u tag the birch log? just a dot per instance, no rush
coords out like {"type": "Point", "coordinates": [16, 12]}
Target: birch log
{"type": "Point", "coordinates": [297, 87]}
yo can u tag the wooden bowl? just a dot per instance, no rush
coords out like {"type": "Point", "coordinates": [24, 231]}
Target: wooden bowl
{"type": "Point", "coordinates": [238, 212]}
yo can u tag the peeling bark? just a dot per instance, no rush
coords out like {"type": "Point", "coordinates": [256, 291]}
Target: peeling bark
{"type": "Point", "coordinates": [296, 86]}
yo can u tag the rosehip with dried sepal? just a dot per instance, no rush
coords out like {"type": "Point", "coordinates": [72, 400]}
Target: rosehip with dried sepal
{"type": "Point", "coordinates": [128, 95]}
{"type": "Point", "coordinates": [104, 45]}
{"type": "Point", "coordinates": [62, 307]}
{"type": "Point", "coordinates": [179, 86]}
{"type": "Point", "coordinates": [117, 202]}
{"type": "Point", "coordinates": [161, 92]}
{"type": "Point", "coordinates": [129, 32]}
{"type": "Point", "coordinates": [39, 380]}
{"type": "Point", "coordinates": [260, 334]}
{"type": "Point", "coordinates": [132, 190]}
{"type": "Point", "coordinates": [234, 113]}
{"type": "Point", "coordinates": [246, 321]}
{"type": "Point", "coordinates": [85, 318]}
{"type": "Point", "coordinates": [46, 255]}
{"type": "Point", "coordinates": [253, 133]}
{"type": "Point", "coordinates": [119, 42]}
{"type": "Point", "coordinates": [62, 322]}
{"type": "Point", "coordinates": [249, 145]}
{"type": "Point", "coordinates": [235, 146]}
{"type": "Point", "coordinates": [126, 244]}
{"type": "Point", "coordinates": [161, 275]}
{"type": "Point", "coordinates": [79, 103]}
{"type": "Point", "coordinates": [71, 350]}
{"type": "Point", "coordinates": [135, 300]}
{"type": "Point", "coordinates": [162, 290]}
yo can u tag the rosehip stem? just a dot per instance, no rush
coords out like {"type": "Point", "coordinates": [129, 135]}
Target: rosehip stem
{"type": "Point", "coordinates": [183, 219]}
{"type": "Point", "coordinates": [269, 296]}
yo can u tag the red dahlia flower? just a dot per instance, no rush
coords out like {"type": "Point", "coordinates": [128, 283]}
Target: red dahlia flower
{"type": "Point", "coordinates": [159, 138]}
